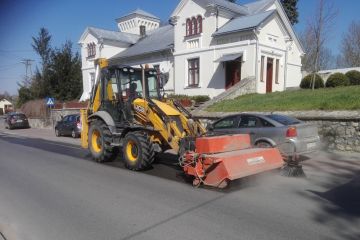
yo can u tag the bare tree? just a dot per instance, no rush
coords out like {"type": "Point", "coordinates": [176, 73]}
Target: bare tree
{"type": "Point", "coordinates": [319, 29]}
{"type": "Point", "coordinates": [326, 56]}
{"type": "Point", "coordinates": [350, 55]}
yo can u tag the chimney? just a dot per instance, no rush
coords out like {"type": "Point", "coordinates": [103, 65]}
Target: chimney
{"type": "Point", "coordinates": [142, 31]}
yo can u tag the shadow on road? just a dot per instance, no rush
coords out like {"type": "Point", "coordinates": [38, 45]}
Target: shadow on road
{"type": "Point", "coordinates": [166, 164]}
{"type": "Point", "coordinates": [339, 204]}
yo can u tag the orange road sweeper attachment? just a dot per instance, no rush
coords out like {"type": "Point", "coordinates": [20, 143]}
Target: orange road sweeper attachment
{"type": "Point", "coordinates": [220, 159]}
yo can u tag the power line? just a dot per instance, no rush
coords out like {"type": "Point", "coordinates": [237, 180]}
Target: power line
{"type": "Point", "coordinates": [11, 51]}
{"type": "Point", "coordinates": [9, 67]}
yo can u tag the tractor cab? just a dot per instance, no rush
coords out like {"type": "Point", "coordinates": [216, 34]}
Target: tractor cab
{"type": "Point", "coordinates": [121, 85]}
{"type": "Point", "coordinates": [126, 83]}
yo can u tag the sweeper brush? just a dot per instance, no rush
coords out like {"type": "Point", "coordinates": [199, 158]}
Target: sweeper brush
{"type": "Point", "coordinates": [219, 159]}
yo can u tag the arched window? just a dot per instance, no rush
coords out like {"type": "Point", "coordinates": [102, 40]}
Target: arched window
{"type": "Point", "coordinates": [91, 49]}
{"type": "Point", "coordinates": [194, 26]}
{"type": "Point", "coordinates": [188, 27]}
{"type": "Point", "coordinates": [199, 24]}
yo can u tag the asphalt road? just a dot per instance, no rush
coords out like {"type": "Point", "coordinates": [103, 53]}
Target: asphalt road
{"type": "Point", "coordinates": [51, 190]}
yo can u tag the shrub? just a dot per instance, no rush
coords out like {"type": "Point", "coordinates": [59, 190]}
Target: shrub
{"type": "Point", "coordinates": [187, 101]}
{"type": "Point", "coordinates": [178, 96]}
{"type": "Point", "coordinates": [200, 98]}
{"type": "Point", "coordinates": [354, 77]}
{"type": "Point", "coordinates": [337, 80]}
{"type": "Point", "coordinates": [306, 81]}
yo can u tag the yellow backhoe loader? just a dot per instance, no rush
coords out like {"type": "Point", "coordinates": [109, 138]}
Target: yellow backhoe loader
{"type": "Point", "coordinates": [127, 116]}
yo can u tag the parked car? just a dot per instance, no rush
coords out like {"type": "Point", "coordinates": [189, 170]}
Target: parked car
{"type": "Point", "coordinates": [289, 134]}
{"type": "Point", "coordinates": [69, 125]}
{"type": "Point", "coordinates": [16, 120]}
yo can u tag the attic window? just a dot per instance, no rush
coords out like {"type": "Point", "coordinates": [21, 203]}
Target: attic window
{"type": "Point", "coordinates": [91, 47]}
{"type": "Point", "coordinates": [193, 26]}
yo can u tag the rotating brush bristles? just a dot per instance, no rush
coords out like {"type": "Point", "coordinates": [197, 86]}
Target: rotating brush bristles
{"type": "Point", "coordinates": [292, 168]}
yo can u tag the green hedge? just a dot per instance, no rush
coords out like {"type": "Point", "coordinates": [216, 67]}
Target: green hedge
{"type": "Point", "coordinates": [306, 81]}
{"type": "Point", "coordinates": [196, 98]}
{"type": "Point", "coordinates": [354, 77]}
{"type": "Point", "coordinates": [337, 80]}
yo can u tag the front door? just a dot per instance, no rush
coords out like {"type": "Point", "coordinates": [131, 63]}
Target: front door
{"type": "Point", "coordinates": [269, 74]}
{"type": "Point", "coordinates": [233, 73]}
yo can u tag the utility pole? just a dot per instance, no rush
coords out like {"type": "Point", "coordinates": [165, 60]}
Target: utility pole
{"type": "Point", "coordinates": [27, 63]}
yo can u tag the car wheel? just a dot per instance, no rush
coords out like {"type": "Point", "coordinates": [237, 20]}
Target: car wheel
{"type": "Point", "coordinates": [263, 144]}
{"type": "Point", "coordinates": [73, 134]}
{"type": "Point", "coordinates": [57, 133]}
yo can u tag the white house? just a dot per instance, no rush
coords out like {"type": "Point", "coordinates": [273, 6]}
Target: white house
{"type": "Point", "coordinates": [208, 46]}
{"type": "Point", "coordinates": [5, 106]}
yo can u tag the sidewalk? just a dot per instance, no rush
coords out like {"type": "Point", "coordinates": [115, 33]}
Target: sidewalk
{"type": "Point", "coordinates": [47, 134]}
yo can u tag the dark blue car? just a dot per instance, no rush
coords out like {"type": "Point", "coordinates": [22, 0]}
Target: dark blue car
{"type": "Point", "coordinates": [69, 126]}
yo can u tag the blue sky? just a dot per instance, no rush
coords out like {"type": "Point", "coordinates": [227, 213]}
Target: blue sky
{"type": "Point", "coordinates": [20, 20]}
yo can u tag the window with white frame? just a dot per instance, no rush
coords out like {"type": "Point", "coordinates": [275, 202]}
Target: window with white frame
{"type": "Point", "coordinates": [277, 71]}
{"type": "Point", "coordinates": [91, 48]}
{"type": "Point", "coordinates": [92, 80]}
{"type": "Point", "coordinates": [193, 72]}
{"type": "Point", "coordinates": [262, 68]}
{"type": "Point", "coordinates": [194, 25]}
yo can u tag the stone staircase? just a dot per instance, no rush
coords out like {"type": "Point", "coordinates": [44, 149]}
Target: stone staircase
{"type": "Point", "coordinates": [245, 86]}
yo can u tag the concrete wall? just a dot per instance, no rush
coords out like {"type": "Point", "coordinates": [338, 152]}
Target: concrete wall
{"type": "Point", "coordinates": [50, 122]}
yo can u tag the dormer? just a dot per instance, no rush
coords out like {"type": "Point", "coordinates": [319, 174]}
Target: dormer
{"type": "Point", "coordinates": [138, 22]}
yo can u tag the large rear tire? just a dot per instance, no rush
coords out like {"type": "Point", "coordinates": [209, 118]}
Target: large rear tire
{"type": "Point", "coordinates": [100, 142]}
{"type": "Point", "coordinates": [138, 151]}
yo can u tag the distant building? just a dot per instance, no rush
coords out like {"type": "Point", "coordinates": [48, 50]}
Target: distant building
{"type": "Point", "coordinates": [325, 74]}
{"type": "Point", "coordinates": [5, 106]}
{"type": "Point", "coordinates": [209, 46]}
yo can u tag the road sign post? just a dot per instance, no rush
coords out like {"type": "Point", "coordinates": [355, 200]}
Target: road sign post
{"type": "Point", "coordinates": [50, 103]}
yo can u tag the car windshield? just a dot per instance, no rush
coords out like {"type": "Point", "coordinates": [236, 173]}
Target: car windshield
{"type": "Point", "coordinates": [19, 116]}
{"type": "Point", "coordinates": [285, 120]}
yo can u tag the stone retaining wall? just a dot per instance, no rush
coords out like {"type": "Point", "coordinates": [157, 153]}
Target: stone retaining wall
{"type": "Point", "coordinates": [340, 135]}
{"type": "Point", "coordinates": [338, 130]}
{"type": "Point", "coordinates": [50, 122]}
{"type": "Point", "coordinates": [40, 122]}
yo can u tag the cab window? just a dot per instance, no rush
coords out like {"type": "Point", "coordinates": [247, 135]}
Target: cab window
{"type": "Point", "coordinates": [152, 83]}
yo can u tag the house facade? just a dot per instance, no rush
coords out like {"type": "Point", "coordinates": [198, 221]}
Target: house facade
{"type": "Point", "coordinates": [5, 106]}
{"type": "Point", "coordinates": [208, 47]}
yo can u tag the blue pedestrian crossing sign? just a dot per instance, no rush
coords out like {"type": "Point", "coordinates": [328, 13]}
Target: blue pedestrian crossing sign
{"type": "Point", "coordinates": [50, 102]}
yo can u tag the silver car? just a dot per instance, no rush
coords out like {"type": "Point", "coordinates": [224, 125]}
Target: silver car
{"type": "Point", "coordinates": [288, 134]}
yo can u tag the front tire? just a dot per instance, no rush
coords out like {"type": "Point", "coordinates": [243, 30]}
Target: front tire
{"type": "Point", "coordinates": [138, 151]}
{"type": "Point", "coordinates": [73, 134]}
{"type": "Point", "coordinates": [100, 139]}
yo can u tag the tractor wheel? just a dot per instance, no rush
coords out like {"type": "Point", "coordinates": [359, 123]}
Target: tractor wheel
{"type": "Point", "coordinates": [100, 142]}
{"type": "Point", "coordinates": [138, 151]}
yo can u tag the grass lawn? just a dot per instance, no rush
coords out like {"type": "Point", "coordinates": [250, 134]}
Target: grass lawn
{"type": "Point", "coordinates": [342, 98]}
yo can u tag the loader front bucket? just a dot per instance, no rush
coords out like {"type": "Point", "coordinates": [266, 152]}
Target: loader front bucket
{"type": "Point", "coordinates": [220, 159]}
